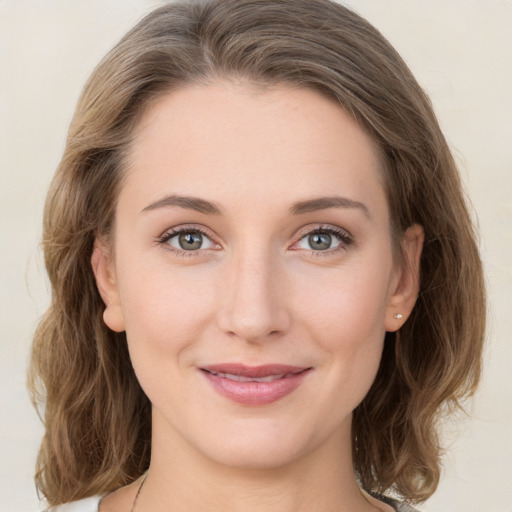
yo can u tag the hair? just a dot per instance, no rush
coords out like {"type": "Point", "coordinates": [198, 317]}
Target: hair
{"type": "Point", "coordinates": [97, 418]}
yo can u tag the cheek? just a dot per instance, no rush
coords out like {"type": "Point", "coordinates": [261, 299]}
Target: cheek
{"type": "Point", "coordinates": [351, 300]}
{"type": "Point", "coordinates": [165, 316]}
{"type": "Point", "coordinates": [346, 317]}
{"type": "Point", "coordinates": [164, 310]}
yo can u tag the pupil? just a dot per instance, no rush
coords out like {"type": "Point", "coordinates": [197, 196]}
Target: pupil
{"type": "Point", "coordinates": [320, 241]}
{"type": "Point", "coordinates": [190, 241]}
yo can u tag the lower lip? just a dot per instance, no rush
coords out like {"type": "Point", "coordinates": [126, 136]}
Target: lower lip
{"type": "Point", "coordinates": [256, 393]}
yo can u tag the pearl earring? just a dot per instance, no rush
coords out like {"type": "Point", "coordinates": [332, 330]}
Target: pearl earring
{"type": "Point", "coordinates": [398, 316]}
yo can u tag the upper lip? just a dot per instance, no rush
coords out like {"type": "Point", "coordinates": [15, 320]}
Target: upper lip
{"type": "Point", "coordinates": [265, 370]}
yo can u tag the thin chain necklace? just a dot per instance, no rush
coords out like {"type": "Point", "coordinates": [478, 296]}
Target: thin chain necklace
{"type": "Point", "coordinates": [364, 493]}
{"type": "Point", "coordinates": [138, 492]}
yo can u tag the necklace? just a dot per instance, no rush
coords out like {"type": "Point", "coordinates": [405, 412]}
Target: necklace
{"type": "Point", "coordinates": [363, 492]}
{"type": "Point", "coordinates": [138, 492]}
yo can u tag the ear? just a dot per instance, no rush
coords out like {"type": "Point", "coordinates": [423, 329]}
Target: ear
{"type": "Point", "coordinates": [406, 284]}
{"type": "Point", "coordinates": [104, 272]}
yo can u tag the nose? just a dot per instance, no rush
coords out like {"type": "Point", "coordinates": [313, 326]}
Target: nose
{"type": "Point", "coordinates": [253, 304]}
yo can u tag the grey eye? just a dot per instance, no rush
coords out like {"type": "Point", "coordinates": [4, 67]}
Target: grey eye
{"type": "Point", "coordinates": [320, 241]}
{"type": "Point", "coordinates": [190, 241]}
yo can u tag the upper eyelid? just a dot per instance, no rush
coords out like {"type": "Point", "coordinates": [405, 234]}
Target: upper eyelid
{"type": "Point", "coordinates": [329, 228]}
{"type": "Point", "coordinates": [184, 228]}
{"type": "Point", "coordinates": [304, 230]}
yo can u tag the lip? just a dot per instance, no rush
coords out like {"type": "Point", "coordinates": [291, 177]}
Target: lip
{"type": "Point", "coordinates": [254, 385]}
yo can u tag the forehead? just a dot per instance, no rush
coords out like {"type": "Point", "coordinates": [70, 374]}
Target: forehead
{"type": "Point", "coordinates": [236, 140]}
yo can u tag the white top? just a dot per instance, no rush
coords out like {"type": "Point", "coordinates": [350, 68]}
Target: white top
{"type": "Point", "coordinates": [86, 505]}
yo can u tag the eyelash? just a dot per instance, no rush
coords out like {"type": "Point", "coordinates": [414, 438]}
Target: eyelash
{"type": "Point", "coordinates": [162, 240]}
{"type": "Point", "coordinates": [343, 237]}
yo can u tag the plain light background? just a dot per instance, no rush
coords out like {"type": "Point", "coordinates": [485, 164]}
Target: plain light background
{"type": "Point", "coordinates": [460, 51]}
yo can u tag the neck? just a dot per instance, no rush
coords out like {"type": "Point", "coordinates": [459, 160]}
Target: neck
{"type": "Point", "coordinates": [183, 478]}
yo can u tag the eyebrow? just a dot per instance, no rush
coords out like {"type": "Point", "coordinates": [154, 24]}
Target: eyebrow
{"type": "Point", "coordinates": [323, 203]}
{"type": "Point", "coordinates": [190, 203]}
{"type": "Point", "coordinates": [298, 208]}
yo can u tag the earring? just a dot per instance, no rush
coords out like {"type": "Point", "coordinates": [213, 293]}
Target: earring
{"type": "Point", "coordinates": [398, 316]}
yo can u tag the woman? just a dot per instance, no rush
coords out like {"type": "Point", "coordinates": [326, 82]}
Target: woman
{"type": "Point", "coordinates": [266, 287]}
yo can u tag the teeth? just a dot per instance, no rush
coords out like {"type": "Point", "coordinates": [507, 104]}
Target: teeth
{"type": "Point", "coordinates": [242, 378]}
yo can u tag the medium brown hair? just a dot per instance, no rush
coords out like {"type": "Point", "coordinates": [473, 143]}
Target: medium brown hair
{"type": "Point", "coordinates": [97, 418]}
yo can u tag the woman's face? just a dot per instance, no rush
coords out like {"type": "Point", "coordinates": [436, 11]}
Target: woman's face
{"type": "Point", "coordinates": [253, 271]}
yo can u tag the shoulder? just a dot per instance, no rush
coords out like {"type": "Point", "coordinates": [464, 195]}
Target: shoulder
{"type": "Point", "coordinates": [86, 505]}
{"type": "Point", "coordinates": [397, 505]}
{"type": "Point", "coordinates": [403, 507]}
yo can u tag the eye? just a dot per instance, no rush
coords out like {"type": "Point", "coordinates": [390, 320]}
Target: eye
{"type": "Point", "coordinates": [324, 239]}
{"type": "Point", "coordinates": [187, 240]}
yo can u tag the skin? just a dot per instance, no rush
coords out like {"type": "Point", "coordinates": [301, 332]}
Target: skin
{"type": "Point", "coordinates": [256, 292]}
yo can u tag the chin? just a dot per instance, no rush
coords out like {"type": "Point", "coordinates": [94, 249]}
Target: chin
{"type": "Point", "coordinates": [261, 444]}
{"type": "Point", "coordinates": [257, 456]}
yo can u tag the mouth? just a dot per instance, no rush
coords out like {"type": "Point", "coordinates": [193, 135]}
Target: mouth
{"type": "Point", "coordinates": [243, 378]}
{"type": "Point", "coordinates": [255, 385]}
